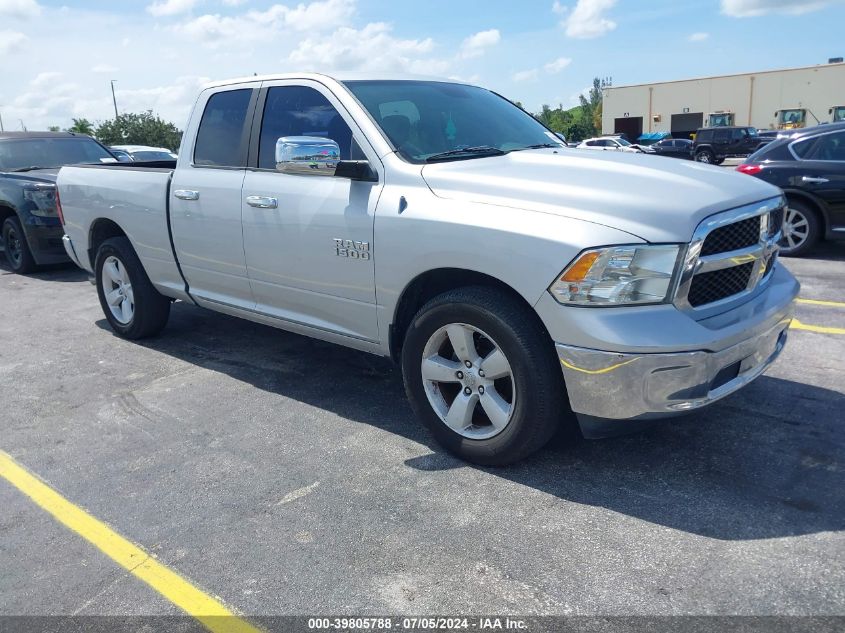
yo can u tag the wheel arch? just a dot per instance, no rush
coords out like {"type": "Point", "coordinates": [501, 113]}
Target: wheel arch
{"type": "Point", "coordinates": [6, 211]}
{"type": "Point", "coordinates": [101, 230]}
{"type": "Point", "coordinates": [815, 204]}
{"type": "Point", "coordinates": [431, 283]}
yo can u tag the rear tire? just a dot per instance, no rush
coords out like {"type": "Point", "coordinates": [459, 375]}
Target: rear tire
{"type": "Point", "coordinates": [133, 307]}
{"type": "Point", "coordinates": [705, 156]}
{"type": "Point", "coordinates": [801, 229]}
{"type": "Point", "coordinates": [511, 399]}
{"type": "Point", "coordinates": [17, 249]}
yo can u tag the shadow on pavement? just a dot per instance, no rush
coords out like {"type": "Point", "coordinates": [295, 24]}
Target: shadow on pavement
{"type": "Point", "coordinates": [764, 463]}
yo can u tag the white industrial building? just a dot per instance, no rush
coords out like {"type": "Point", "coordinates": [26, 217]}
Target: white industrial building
{"type": "Point", "coordinates": [766, 100]}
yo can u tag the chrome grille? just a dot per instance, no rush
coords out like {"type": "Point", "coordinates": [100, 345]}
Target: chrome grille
{"type": "Point", "coordinates": [731, 254]}
{"type": "Point", "coordinates": [732, 237]}
{"type": "Point", "coordinates": [719, 284]}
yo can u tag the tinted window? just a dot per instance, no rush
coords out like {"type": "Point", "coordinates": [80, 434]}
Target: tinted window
{"type": "Point", "coordinates": [738, 134]}
{"type": "Point", "coordinates": [220, 135]}
{"type": "Point", "coordinates": [829, 147]}
{"type": "Point", "coordinates": [722, 136]}
{"type": "Point", "coordinates": [51, 152]}
{"type": "Point", "coordinates": [802, 148]}
{"type": "Point", "coordinates": [424, 118]}
{"type": "Point", "coordinates": [705, 136]}
{"type": "Point", "coordinates": [301, 111]}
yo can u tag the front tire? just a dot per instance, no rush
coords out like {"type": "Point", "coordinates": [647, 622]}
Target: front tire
{"type": "Point", "coordinates": [133, 307]}
{"type": "Point", "coordinates": [801, 229]}
{"type": "Point", "coordinates": [18, 253]}
{"type": "Point", "coordinates": [705, 156]}
{"type": "Point", "coordinates": [482, 375]}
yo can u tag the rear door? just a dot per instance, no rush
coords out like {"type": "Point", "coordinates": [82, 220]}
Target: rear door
{"type": "Point", "coordinates": [310, 255]}
{"type": "Point", "coordinates": [823, 174]}
{"type": "Point", "coordinates": [205, 197]}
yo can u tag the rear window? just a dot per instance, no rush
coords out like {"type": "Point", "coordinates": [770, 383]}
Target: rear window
{"type": "Point", "coordinates": [705, 136]}
{"type": "Point", "coordinates": [803, 147]}
{"type": "Point", "coordinates": [51, 152]}
{"type": "Point", "coordinates": [220, 139]}
{"type": "Point", "coordinates": [721, 136]}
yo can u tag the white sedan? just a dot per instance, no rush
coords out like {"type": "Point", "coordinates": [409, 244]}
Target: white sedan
{"type": "Point", "coordinates": [611, 144]}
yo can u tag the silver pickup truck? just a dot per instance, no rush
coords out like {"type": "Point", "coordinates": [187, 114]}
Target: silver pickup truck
{"type": "Point", "coordinates": [515, 280]}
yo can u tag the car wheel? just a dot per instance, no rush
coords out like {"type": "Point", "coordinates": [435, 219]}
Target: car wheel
{"type": "Point", "coordinates": [801, 229]}
{"type": "Point", "coordinates": [705, 156]}
{"type": "Point", "coordinates": [17, 249]}
{"type": "Point", "coordinates": [133, 307]}
{"type": "Point", "coordinates": [718, 161]}
{"type": "Point", "coordinates": [482, 374]}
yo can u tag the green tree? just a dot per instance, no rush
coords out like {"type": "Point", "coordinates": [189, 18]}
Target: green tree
{"type": "Point", "coordinates": [139, 129]}
{"type": "Point", "coordinates": [53, 128]}
{"type": "Point", "coordinates": [82, 126]}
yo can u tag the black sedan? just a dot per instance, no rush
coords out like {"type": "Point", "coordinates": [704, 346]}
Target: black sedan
{"type": "Point", "coordinates": [810, 168]}
{"type": "Point", "coordinates": [674, 148]}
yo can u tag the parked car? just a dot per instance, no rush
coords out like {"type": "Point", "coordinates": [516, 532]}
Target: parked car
{"type": "Point", "coordinates": [605, 143]}
{"type": "Point", "coordinates": [715, 144]}
{"type": "Point", "coordinates": [514, 281]}
{"type": "Point", "coordinates": [674, 148]}
{"type": "Point", "coordinates": [30, 231]}
{"type": "Point", "coordinates": [122, 155]}
{"type": "Point", "coordinates": [809, 166]}
{"type": "Point", "coordinates": [143, 153]}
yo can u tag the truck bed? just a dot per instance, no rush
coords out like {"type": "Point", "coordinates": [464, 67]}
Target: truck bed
{"type": "Point", "coordinates": [135, 197]}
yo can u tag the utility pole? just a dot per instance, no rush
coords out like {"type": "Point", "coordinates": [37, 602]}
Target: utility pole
{"type": "Point", "coordinates": [23, 127]}
{"type": "Point", "coordinates": [1, 123]}
{"type": "Point", "coordinates": [113, 98]}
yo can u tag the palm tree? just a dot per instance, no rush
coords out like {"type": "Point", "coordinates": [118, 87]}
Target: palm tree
{"type": "Point", "coordinates": [82, 126]}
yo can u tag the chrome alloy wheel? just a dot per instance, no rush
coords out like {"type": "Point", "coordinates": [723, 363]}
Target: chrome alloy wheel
{"type": "Point", "coordinates": [117, 290]}
{"type": "Point", "coordinates": [468, 381]}
{"type": "Point", "coordinates": [796, 229]}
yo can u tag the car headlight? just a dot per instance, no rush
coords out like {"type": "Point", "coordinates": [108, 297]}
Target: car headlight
{"type": "Point", "coordinates": [619, 275]}
{"type": "Point", "coordinates": [43, 199]}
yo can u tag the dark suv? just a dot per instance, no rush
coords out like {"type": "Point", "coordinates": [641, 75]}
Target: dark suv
{"type": "Point", "coordinates": [715, 144]}
{"type": "Point", "coordinates": [30, 230]}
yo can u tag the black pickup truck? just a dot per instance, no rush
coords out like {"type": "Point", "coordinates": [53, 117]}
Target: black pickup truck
{"type": "Point", "coordinates": [30, 230]}
{"type": "Point", "coordinates": [715, 144]}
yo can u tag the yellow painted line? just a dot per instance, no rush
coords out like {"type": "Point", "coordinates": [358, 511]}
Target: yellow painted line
{"type": "Point", "coordinates": [596, 371]}
{"type": "Point", "coordinates": [821, 329]}
{"type": "Point", "coordinates": [208, 610]}
{"type": "Point", "coordinates": [819, 302]}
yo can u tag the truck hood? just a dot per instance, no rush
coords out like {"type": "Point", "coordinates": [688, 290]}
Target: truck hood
{"type": "Point", "coordinates": [654, 198]}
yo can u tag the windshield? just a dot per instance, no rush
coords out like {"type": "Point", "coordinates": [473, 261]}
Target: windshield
{"type": "Point", "coordinates": [839, 114]}
{"type": "Point", "coordinates": [791, 116]}
{"type": "Point", "coordinates": [423, 119]}
{"type": "Point", "coordinates": [622, 141]}
{"type": "Point", "coordinates": [151, 155]}
{"type": "Point", "coordinates": [50, 152]}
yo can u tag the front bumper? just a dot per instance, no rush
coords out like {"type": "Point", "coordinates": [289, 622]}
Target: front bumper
{"type": "Point", "coordinates": [609, 390]}
{"type": "Point", "coordinates": [45, 242]}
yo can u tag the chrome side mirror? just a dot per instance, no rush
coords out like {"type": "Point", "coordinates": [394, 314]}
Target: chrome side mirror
{"type": "Point", "coordinates": [307, 155]}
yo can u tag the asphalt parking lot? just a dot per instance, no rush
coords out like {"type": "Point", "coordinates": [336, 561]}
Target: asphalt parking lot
{"type": "Point", "coordinates": [288, 476]}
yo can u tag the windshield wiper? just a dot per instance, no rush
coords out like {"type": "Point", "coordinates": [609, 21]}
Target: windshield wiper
{"type": "Point", "coordinates": [33, 167]}
{"type": "Point", "coordinates": [481, 150]}
{"type": "Point", "coordinates": [539, 146]}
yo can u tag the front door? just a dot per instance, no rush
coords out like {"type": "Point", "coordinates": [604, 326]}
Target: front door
{"type": "Point", "coordinates": [823, 174]}
{"type": "Point", "coordinates": [310, 253]}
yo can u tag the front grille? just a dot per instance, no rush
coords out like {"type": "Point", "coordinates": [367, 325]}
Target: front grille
{"type": "Point", "coordinates": [732, 237]}
{"type": "Point", "coordinates": [719, 284]}
{"type": "Point", "coordinates": [775, 221]}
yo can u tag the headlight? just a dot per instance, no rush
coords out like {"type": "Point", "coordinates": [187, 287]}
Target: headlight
{"type": "Point", "coordinates": [618, 275]}
{"type": "Point", "coordinates": [43, 199]}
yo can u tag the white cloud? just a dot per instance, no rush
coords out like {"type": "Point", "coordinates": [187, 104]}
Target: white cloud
{"type": "Point", "coordinates": [19, 8]}
{"type": "Point", "coordinates": [372, 48]}
{"type": "Point", "coordinates": [751, 8]}
{"type": "Point", "coordinates": [233, 3]}
{"type": "Point", "coordinates": [587, 20]}
{"type": "Point", "coordinates": [216, 30]}
{"type": "Point", "coordinates": [557, 65]}
{"type": "Point", "coordinates": [698, 37]}
{"type": "Point", "coordinates": [526, 75]}
{"type": "Point", "coordinates": [171, 7]}
{"type": "Point", "coordinates": [475, 45]}
{"type": "Point", "coordinates": [104, 68]}
{"type": "Point", "coordinates": [11, 41]}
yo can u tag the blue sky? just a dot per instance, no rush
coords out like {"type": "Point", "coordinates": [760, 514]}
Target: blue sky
{"type": "Point", "coordinates": [56, 58]}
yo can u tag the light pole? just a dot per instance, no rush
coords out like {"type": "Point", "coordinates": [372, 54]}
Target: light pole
{"type": "Point", "coordinates": [113, 98]}
{"type": "Point", "coordinates": [1, 123]}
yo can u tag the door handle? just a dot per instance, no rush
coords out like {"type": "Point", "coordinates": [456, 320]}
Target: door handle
{"type": "Point", "coordinates": [817, 181]}
{"type": "Point", "coordinates": [262, 202]}
{"type": "Point", "coordinates": [187, 194]}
